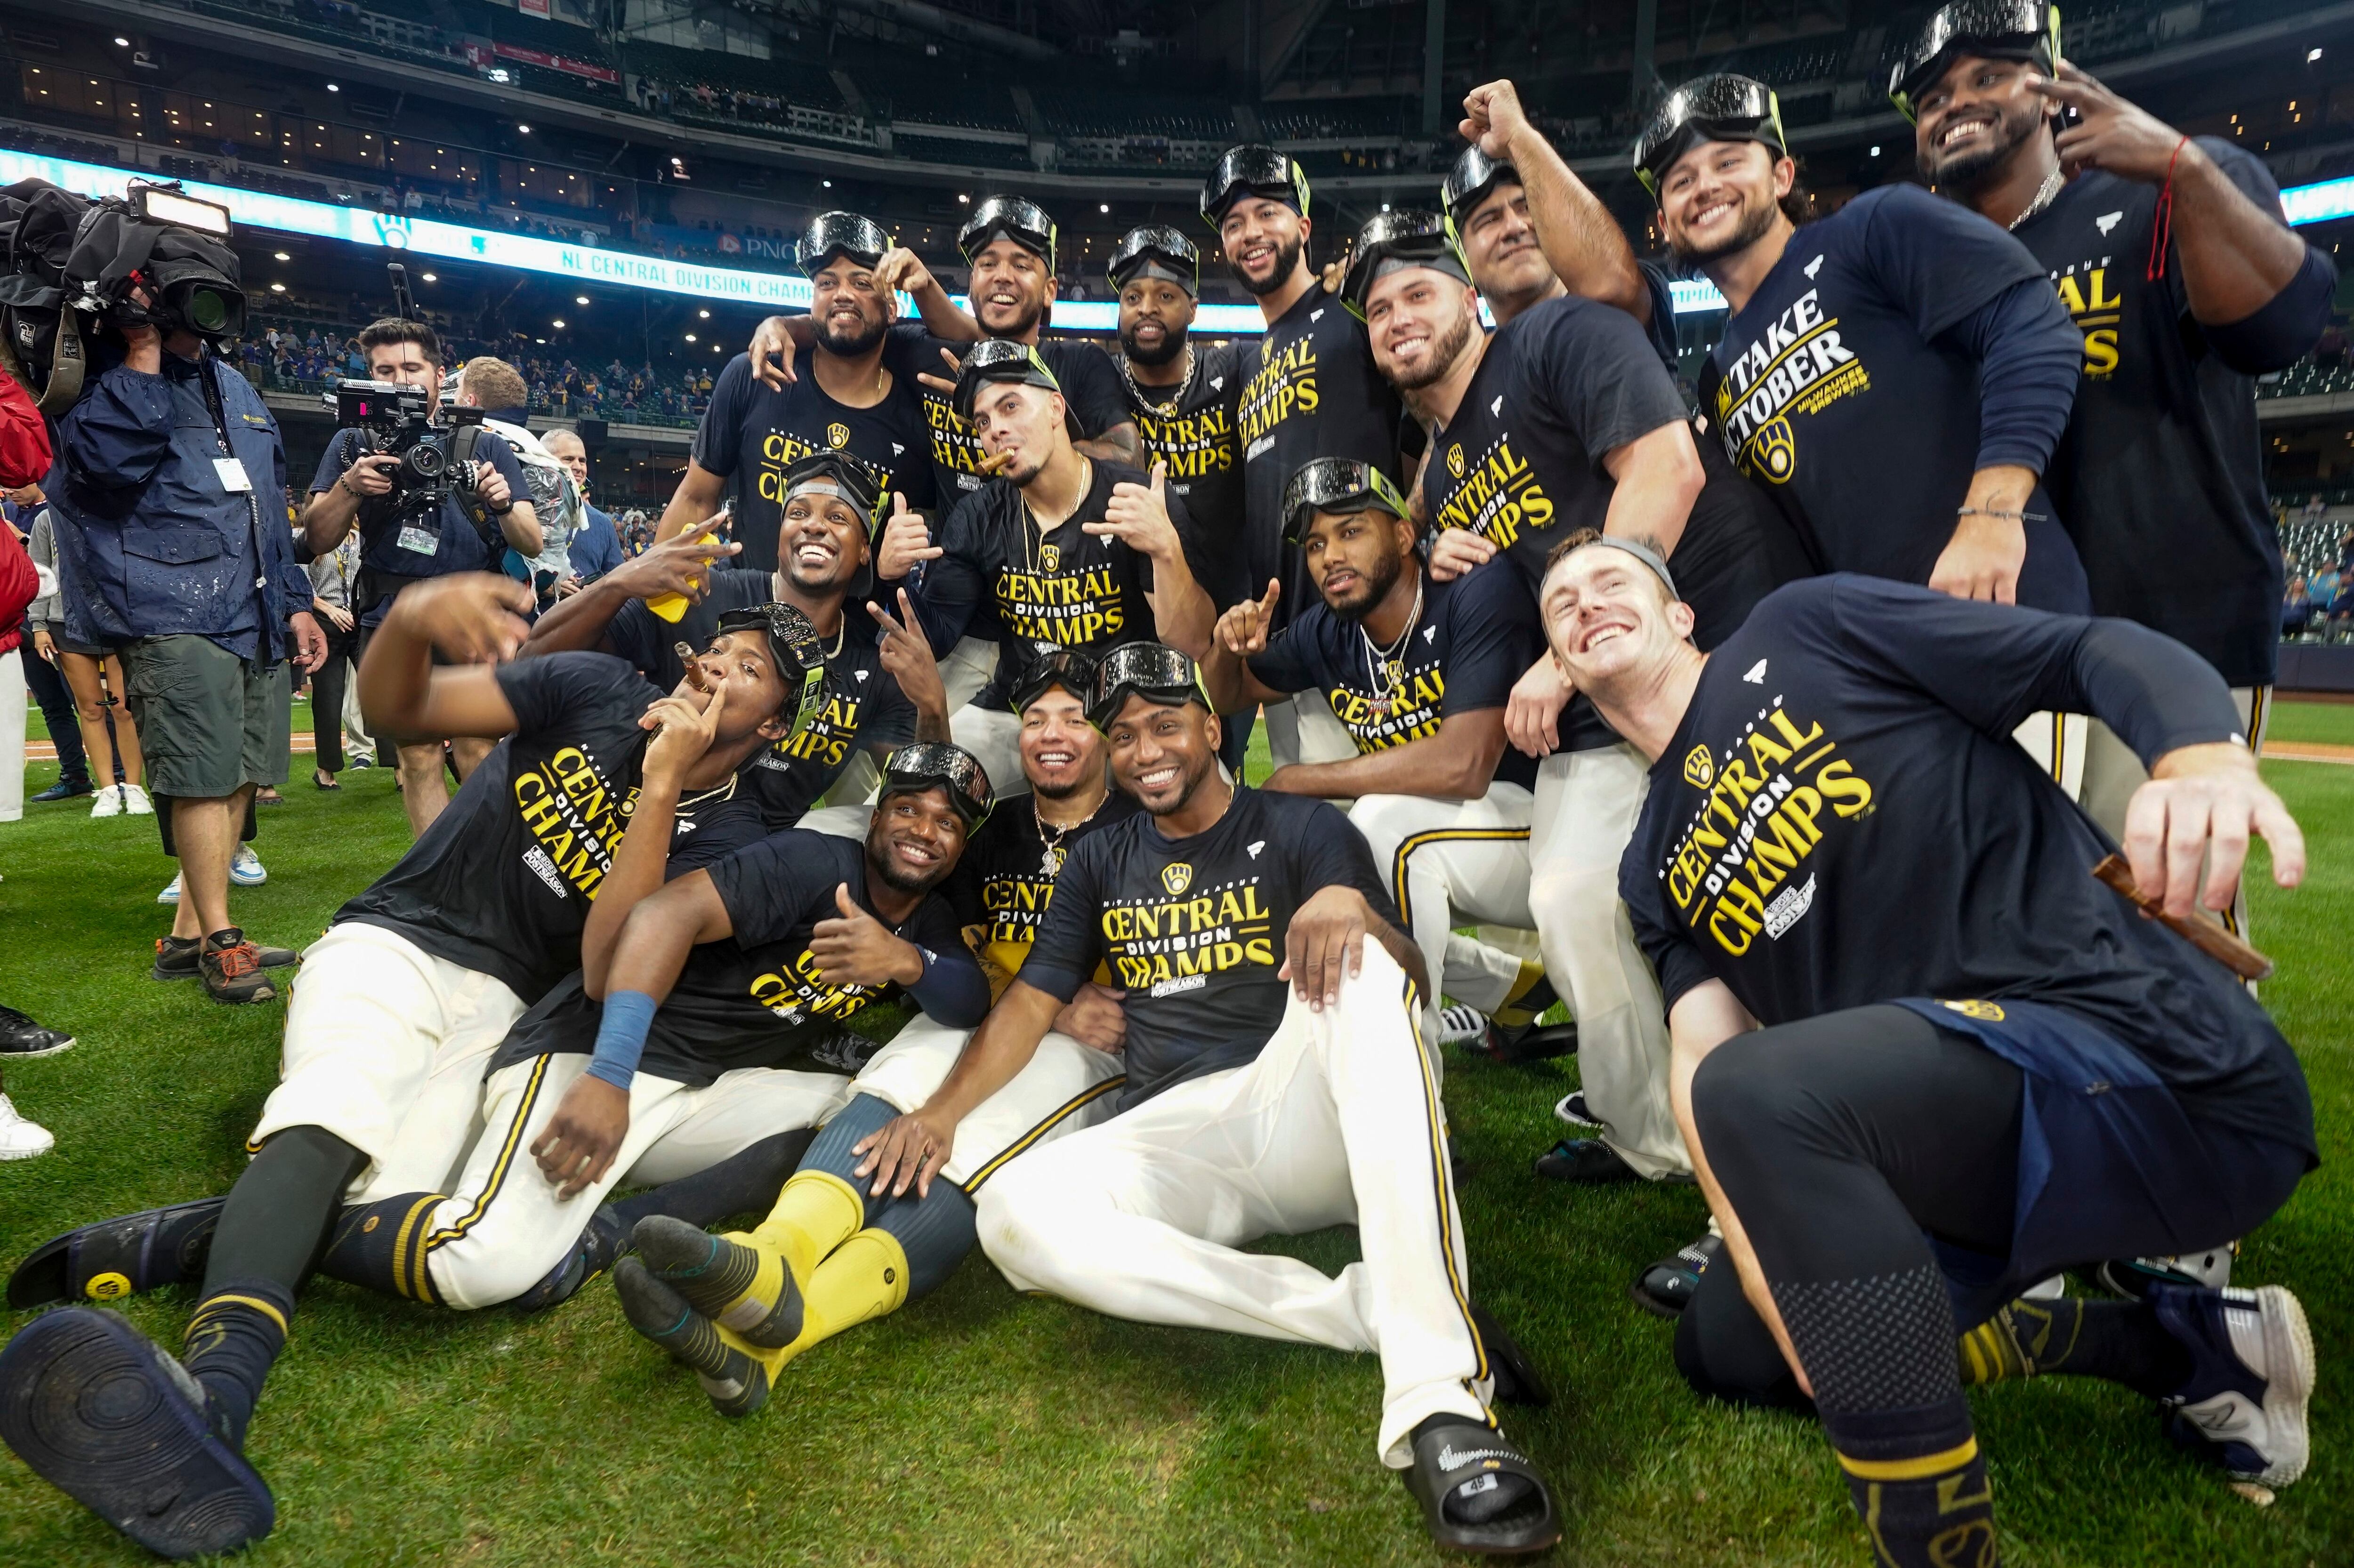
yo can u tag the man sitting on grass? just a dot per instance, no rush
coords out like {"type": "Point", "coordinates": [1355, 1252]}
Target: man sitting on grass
{"type": "Point", "coordinates": [401, 1005]}
{"type": "Point", "coordinates": [1922, 1057]}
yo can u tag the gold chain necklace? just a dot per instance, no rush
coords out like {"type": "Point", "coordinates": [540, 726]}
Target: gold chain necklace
{"type": "Point", "coordinates": [1165, 410]}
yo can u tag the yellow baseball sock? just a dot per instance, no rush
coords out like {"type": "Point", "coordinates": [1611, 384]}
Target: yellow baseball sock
{"type": "Point", "coordinates": [816, 1212]}
{"type": "Point", "coordinates": [1530, 997]}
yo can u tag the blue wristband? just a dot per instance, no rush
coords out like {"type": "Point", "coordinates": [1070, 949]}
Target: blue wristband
{"type": "Point", "coordinates": [621, 1037]}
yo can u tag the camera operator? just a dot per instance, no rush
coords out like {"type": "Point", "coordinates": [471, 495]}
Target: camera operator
{"type": "Point", "coordinates": [397, 549]}
{"type": "Point", "coordinates": [166, 505]}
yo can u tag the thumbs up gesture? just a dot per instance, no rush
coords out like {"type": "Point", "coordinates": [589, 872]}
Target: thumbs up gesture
{"type": "Point", "coordinates": [859, 950]}
{"type": "Point", "coordinates": [1242, 631]}
{"type": "Point", "coordinates": [1138, 515]}
{"type": "Point", "coordinates": [906, 541]}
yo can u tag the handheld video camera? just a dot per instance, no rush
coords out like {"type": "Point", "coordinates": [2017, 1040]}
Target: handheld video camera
{"type": "Point", "coordinates": [393, 420]}
{"type": "Point", "coordinates": [162, 242]}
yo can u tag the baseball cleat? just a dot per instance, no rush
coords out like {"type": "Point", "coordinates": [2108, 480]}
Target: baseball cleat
{"type": "Point", "coordinates": [733, 1374]}
{"type": "Point", "coordinates": [1478, 1493]}
{"type": "Point", "coordinates": [119, 1257]}
{"type": "Point", "coordinates": [738, 1284]}
{"type": "Point", "coordinates": [1515, 1376]}
{"type": "Point", "coordinates": [2243, 1407]}
{"type": "Point", "coordinates": [1585, 1159]}
{"type": "Point", "coordinates": [1665, 1288]}
{"type": "Point", "coordinates": [104, 1415]}
{"type": "Point", "coordinates": [602, 1241]}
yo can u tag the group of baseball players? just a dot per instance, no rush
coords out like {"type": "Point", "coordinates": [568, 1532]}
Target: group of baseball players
{"type": "Point", "coordinates": [1777, 741]}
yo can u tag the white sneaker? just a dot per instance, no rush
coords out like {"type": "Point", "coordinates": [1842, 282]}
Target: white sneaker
{"type": "Point", "coordinates": [2244, 1405]}
{"type": "Point", "coordinates": [19, 1139]}
{"type": "Point", "coordinates": [136, 803]}
{"type": "Point", "coordinates": [246, 869]}
{"type": "Point", "coordinates": [171, 894]}
{"type": "Point", "coordinates": [109, 802]}
{"type": "Point", "coordinates": [1461, 1024]}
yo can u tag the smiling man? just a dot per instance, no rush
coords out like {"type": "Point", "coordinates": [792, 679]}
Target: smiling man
{"type": "Point", "coordinates": [1309, 390]}
{"type": "Point", "coordinates": [1565, 418]}
{"type": "Point", "coordinates": [1067, 551]}
{"type": "Point", "coordinates": [2160, 476]}
{"type": "Point", "coordinates": [1896, 374]}
{"type": "Point", "coordinates": [843, 397]}
{"type": "Point", "coordinates": [401, 1005]}
{"type": "Point", "coordinates": [1417, 670]}
{"type": "Point", "coordinates": [1909, 1096]}
{"type": "Point", "coordinates": [740, 1309]}
{"type": "Point", "coordinates": [1252, 1108]}
{"type": "Point", "coordinates": [882, 687]}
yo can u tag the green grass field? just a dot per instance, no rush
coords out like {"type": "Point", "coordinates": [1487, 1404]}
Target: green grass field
{"type": "Point", "coordinates": [981, 1427]}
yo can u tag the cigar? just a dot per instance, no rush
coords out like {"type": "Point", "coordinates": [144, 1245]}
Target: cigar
{"type": "Point", "coordinates": [693, 671]}
{"type": "Point", "coordinates": [2203, 934]}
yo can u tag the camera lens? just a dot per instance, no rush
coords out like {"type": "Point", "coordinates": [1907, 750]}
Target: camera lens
{"type": "Point", "coordinates": [426, 461]}
{"type": "Point", "coordinates": [207, 312]}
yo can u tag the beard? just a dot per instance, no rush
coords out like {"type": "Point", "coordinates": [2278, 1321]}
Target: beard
{"type": "Point", "coordinates": [1441, 359]}
{"type": "Point", "coordinates": [1287, 261]}
{"type": "Point", "coordinates": [1025, 317]}
{"type": "Point", "coordinates": [1063, 791]}
{"type": "Point", "coordinates": [879, 856]}
{"type": "Point", "coordinates": [1752, 227]}
{"type": "Point", "coordinates": [850, 345]}
{"type": "Point", "coordinates": [1193, 774]}
{"type": "Point", "coordinates": [1373, 584]}
{"type": "Point", "coordinates": [1173, 343]}
{"type": "Point", "coordinates": [1971, 171]}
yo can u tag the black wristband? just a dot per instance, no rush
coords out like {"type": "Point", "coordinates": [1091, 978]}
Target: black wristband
{"type": "Point", "coordinates": [499, 511]}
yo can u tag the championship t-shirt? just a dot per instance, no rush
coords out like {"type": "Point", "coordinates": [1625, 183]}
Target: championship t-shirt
{"type": "Point", "coordinates": [1839, 390]}
{"type": "Point", "coordinates": [501, 882]}
{"type": "Point", "coordinates": [1191, 429]}
{"type": "Point", "coordinates": [1476, 636]}
{"type": "Point", "coordinates": [752, 434]}
{"type": "Point", "coordinates": [1005, 880]}
{"type": "Point", "coordinates": [1063, 589]}
{"type": "Point", "coordinates": [863, 706]}
{"type": "Point", "coordinates": [754, 998]}
{"type": "Point", "coordinates": [1309, 390]}
{"type": "Point", "coordinates": [2161, 477]}
{"type": "Point", "coordinates": [1842, 819]}
{"type": "Point", "coordinates": [396, 551]}
{"type": "Point", "coordinates": [1193, 928]}
{"type": "Point", "coordinates": [1091, 390]}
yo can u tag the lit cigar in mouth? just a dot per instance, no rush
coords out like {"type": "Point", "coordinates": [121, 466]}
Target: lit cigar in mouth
{"type": "Point", "coordinates": [2205, 935]}
{"type": "Point", "coordinates": [693, 671]}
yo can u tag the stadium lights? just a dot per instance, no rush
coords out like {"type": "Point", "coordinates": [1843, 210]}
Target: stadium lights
{"type": "Point", "coordinates": [1103, 207]}
{"type": "Point", "coordinates": [704, 314]}
{"type": "Point", "coordinates": [282, 256]}
{"type": "Point", "coordinates": [524, 129]}
{"type": "Point", "coordinates": [690, 337]}
{"type": "Point", "coordinates": [428, 277]}
{"type": "Point", "coordinates": [126, 43]}
{"type": "Point", "coordinates": [277, 288]}
{"type": "Point", "coordinates": [827, 183]}
{"type": "Point", "coordinates": [1876, 149]}
{"type": "Point", "coordinates": [333, 88]}
{"type": "Point", "coordinates": [579, 299]}
{"type": "Point", "coordinates": [962, 196]}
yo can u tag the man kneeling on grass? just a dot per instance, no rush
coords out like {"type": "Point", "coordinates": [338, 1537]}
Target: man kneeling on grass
{"type": "Point", "coordinates": [1250, 1109]}
{"type": "Point", "coordinates": [402, 1005]}
{"type": "Point", "coordinates": [841, 1247]}
{"type": "Point", "coordinates": [1922, 1057]}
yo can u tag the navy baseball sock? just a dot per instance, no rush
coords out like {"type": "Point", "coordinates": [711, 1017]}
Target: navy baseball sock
{"type": "Point", "coordinates": [2119, 1341]}
{"type": "Point", "coordinates": [830, 1150]}
{"type": "Point", "coordinates": [380, 1246]}
{"type": "Point", "coordinates": [744, 1182]}
{"type": "Point", "coordinates": [1919, 1484]}
{"type": "Point", "coordinates": [934, 1231]}
{"type": "Point", "coordinates": [232, 1339]}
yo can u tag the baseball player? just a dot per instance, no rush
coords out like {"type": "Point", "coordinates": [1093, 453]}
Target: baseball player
{"type": "Point", "coordinates": [1417, 670]}
{"type": "Point", "coordinates": [1564, 418]}
{"type": "Point", "coordinates": [1309, 390]}
{"type": "Point", "coordinates": [1924, 1057]}
{"type": "Point", "coordinates": [1249, 1108]}
{"type": "Point", "coordinates": [882, 687]}
{"type": "Point", "coordinates": [401, 1005]}
{"type": "Point", "coordinates": [2160, 476]}
{"type": "Point", "coordinates": [840, 1247]}
{"type": "Point", "coordinates": [1069, 551]}
{"type": "Point", "coordinates": [843, 388]}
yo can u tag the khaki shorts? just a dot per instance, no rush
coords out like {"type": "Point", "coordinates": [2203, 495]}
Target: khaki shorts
{"type": "Point", "coordinates": [209, 722]}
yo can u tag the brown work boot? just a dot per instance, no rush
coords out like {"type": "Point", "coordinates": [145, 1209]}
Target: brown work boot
{"type": "Point", "coordinates": [232, 969]}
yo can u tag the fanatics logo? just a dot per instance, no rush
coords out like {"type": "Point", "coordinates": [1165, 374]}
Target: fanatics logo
{"type": "Point", "coordinates": [896, 449]}
{"type": "Point", "coordinates": [1699, 768]}
{"type": "Point", "coordinates": [1455, 459]}
{"type": "Point", "coordinates": [1814, 266]}
{"type": "Point", "coordinates": [838, 434]}
{"type": "Point", "coordinates": [1315, 315]}
{"type": "Point", "coordinates": [2107, 221]}
{"type": "Point", "coordinates": [1254, 846]}
{"type": "Point", "coordinates": [1496, 409]}
{"type": "Point", "coordinates": [861, 674]}
{"type": "Point", "coordinates": [1756, 676]}
{"type": "Point", "coordinates": [1217, 383]}
{"type": "Point", "coordinates": [1177, 878]}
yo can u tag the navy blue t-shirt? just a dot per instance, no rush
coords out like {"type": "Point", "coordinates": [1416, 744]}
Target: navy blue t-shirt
{"type": "Point", "coordinates": [1840, 388]}
{"type": "Point", "coordinates": [1842, 818]}
{"type": "Point", "coordinates": [501, 882]}
{"type": "Point", "coordinates": [1193, 928]}
{"type": "Point", "coordinates": [1091, 391]}
{"type": "Point", "coordinates": [752, 433]}
{"type": "Point", "coordinates": [393, 553]}
{"type": "Point", "coordinates": [1476, 636]}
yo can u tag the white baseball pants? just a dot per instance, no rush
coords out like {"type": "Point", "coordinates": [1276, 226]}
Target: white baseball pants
{"type": "Point", "coordinates": [1450, 862]}
{"type": "Point", "coordinates": [1064, 1087]}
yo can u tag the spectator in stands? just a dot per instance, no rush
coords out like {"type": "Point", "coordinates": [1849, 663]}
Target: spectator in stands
{"type": "Point", "coordinates": [206, 637]}
{"type": "Point", "coordinates": [637, 530]}
{"type": "Point", "coordinates": [2297, 607]}
{"type": "Point", "coordinates": [92, 674]}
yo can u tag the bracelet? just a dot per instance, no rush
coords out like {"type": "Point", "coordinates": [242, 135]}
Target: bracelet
{"type": "Point", "coordinates": [344, 483]}
{"type": "Point", "coordinates": [2161, 229]}
{"type": "Point", "coordinates": [1997, 512]}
